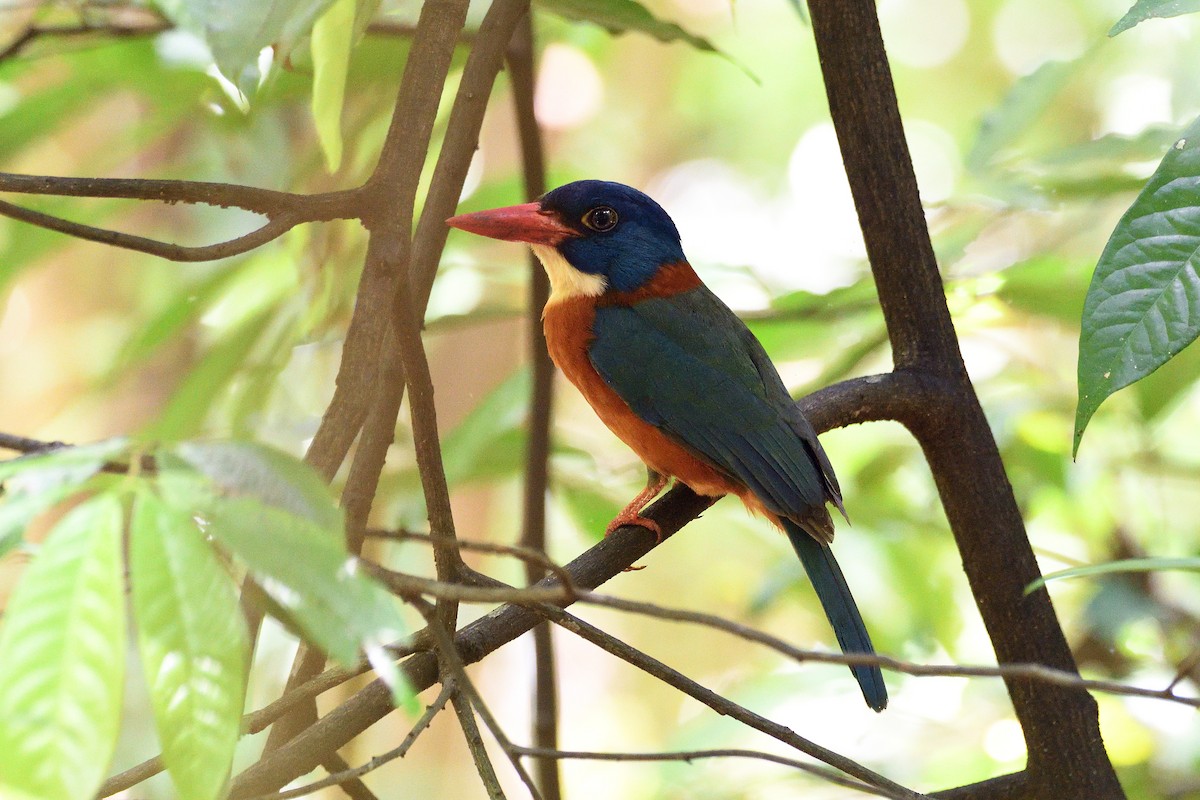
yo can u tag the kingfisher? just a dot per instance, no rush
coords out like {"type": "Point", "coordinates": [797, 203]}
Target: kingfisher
{"type": "Point", "coordinates": [679, 378]}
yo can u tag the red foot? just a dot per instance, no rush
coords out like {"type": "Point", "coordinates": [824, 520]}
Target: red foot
{"type": "Point", "coordinates": [631, 514]}
{"type": "Point", "coordinates": [629, 517]}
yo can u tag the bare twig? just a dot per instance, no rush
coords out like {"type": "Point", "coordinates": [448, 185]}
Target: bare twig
{"type": "Point", "coordinates": [826, 774]}
{"type": "Point", "coordinates": [723, 705]}
{"type": "Point", "coordinates": [537, 452]}
{"type": "Point", "coordinates": [452, 662]}
{"type": "Point", "coordinates": [153, 25]}
{"type": "Point", "coordinates": [378, 761]}
{"type": "Point", "coordinates": [537, 558]}
{"type": "Point", "coordinates": [1030, 672]}
{"type": "Point", "coordinates": [23, 444]}
{"type": "Point", "coordinates": [267, 202]}
{"type": "Point", "coordinates": [141, 244]}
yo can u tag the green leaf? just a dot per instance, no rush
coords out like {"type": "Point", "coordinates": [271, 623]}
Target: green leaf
{"type": "Point", "coordinates": [1143, 304]}
{"type": "Point", "coordinates": [236, 30]}
{"type": "Point", "coordinates": [184, 415]}
{"type": "Point", "coordinates": [618, 16]}
{"type": "Point", "coordinates": [306, 570]}
{"type": "Point", "coordinates": [193, 642]}
{"type": "Point", "coordinates": [468, 450]}
{"type": "Point", "coordinates": [20, 505]}
{"type": "Point", "coordinates": [1143, 10]}
{"type": "Point", "coordinates": [1124, 565]}
{"type": "Point", "coordinates": [1029, 97]}
{"type": "Point", "coordinates": [801, 10]}
{"type": "Point", "coordinates": [62, 659]}
{"type": "Point", "coordinates": [192, 300]}
{"type": "Point", "coordinates": [1045, 285]}
{"type": "Point", "coordinates": [75, 463]}
{"type": "Point", "coordinates": [273, 477]}
{"type": "Point", "coordinates": [34, 483]}
{"type": "Point", "coordinates": [332, 40]}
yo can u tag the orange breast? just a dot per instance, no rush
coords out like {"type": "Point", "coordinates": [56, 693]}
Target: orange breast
{"type": "Point", "coordinates": [568, 326]}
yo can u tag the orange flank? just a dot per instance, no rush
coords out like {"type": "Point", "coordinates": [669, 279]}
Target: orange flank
{"type": "Point", "coordinates": [568, 327]}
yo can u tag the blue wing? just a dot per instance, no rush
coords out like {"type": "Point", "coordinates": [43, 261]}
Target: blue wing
{"type": "Point", "coordinates": [689, 366]}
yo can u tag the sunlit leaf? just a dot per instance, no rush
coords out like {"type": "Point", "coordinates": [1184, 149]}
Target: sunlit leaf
{"type": "Point", "coordinates": [332, 38]}
{"type": "Point", "coordinates": [471, 443]}
{"type": "Point", "coordinates": [66, 464]}
{"type": "Point", "coordinates": [192, 300]}
{"type": "Point", "coordinates": [236, 31]}
{"type": "Point", "coordinates": [62, 659]}
{"type": "Point", "coordinates": [306, 570]}
{"type": "Point", "coordinates": [274, 478]}
{"type": "Point", "coordinates": [19, 506]}
{"type": "Point", "coordinates": [1125, 565]}
{"type": "Point", "coordinates": [34, 483]}
{"type": "Point", "coordinates": [193, 642]}
{"type": "Point", "coordinates": [1143, 10]}
{"type": "Point", "coordinates": [1143, 304]}
{"type": "Point", "coordinates": [618, 16]}
{"type": "Point", "coordinates": [1021, 107]}
{"type": "Point", "coordinates": [188, 408]}
{"type": "Point", "coordinates": [1046, 286]}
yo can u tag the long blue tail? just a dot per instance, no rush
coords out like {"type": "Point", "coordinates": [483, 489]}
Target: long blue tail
{"type": "Point", "coordinates": [834, 594]}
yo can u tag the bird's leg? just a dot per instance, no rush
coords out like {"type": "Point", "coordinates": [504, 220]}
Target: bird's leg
{"type": "Point", "coordinates": [631, 514]}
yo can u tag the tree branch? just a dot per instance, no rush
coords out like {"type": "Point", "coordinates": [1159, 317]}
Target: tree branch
{"type": "Point", "coordinates": [826, 774]}
{"type": "Point", "coordinates": [1066, 754]}
{"type": "Point", "coordinates": [365, 385]}
{"type": "Point", "coordinates": [422, 723]}
{"type": "Point", "coordinates": [544, 732]}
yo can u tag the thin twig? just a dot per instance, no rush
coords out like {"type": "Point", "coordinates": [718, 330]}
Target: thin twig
{"type": "Point", "coordinates": [451, 661]}
{"type": "Point", "coordinates": [826, 774]}
{"type": "Point", "coordinates": [533, 597]}
{"type": "Point", "coordinates": [273, 229]}
{"type": "Point", "coordinates": [267, 202]}
{"type": "Point", "coordinates": [537, 452]}
{"type": "Point", "coordinates": [378, 761]}
{"type": "Point", "coordinates": [1031, 672]}
{"type": "Point", "coordinates": [722, 705]}
{"type": "Point", "coordinates": [533, 557]}
{"type": "Point", "coordinates": [155, 25]}
{"type": "Point", "coordinates": [450, 668]}
{"type": "Point", "coordinates": [23, 444]}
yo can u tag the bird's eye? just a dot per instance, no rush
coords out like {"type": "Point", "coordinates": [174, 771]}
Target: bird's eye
{"type": "Point", "coordinates": [601, 219]}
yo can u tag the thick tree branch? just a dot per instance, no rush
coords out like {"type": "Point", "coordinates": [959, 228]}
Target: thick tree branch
{"type": "Point", "coordinates": [1066, 755]}
{"type": "Point", "coordinates": [365, 385]}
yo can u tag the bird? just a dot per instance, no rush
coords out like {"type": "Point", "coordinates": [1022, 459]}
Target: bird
{"type": "Point", "coordinates": [679, 378]}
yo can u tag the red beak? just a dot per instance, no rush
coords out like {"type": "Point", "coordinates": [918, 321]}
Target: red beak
{"type": "Point", "coordinates": [523, 223]}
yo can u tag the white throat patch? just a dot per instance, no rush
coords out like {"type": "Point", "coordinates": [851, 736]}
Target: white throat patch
{"type": "Point", "coordinates": [566, 281]}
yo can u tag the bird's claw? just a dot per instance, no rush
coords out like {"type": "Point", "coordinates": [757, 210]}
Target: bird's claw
{"type": "Point", "coordinates": [633, 518]}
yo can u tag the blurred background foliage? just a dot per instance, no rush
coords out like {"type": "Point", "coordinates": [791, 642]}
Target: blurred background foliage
{"type": "Point", "coordinates": [1031, 131]}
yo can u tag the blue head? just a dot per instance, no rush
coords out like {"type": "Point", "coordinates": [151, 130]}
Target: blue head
{"type": "Point", "coordinates": [615, 236]}
{"type": "Point", "coordinates": [623, 235]}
